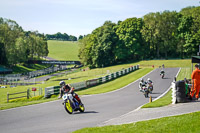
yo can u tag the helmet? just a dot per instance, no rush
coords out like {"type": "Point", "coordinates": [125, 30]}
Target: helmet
{"type": "Point", "coordinates": [141, 80]}
{"type": "Point", "coordinates": [62, 83]}
{"type": "Point", "coordinates": [148, 79]}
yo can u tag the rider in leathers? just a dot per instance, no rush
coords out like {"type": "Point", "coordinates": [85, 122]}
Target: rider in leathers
{"type": "Point", "coordinates": [141, 84]}
{"type": "Point", "coordinates": [68, 89]}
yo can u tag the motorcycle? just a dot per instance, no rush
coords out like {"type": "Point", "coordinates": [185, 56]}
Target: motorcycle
{"type": "Point", "coordinates": [150, 87]}
{"type": "Point", "coordinates": [162, 75]}
{"type": "Point", "coordinates": [145, 91]}
{"type": "Point", "coordinates": [71, 104]}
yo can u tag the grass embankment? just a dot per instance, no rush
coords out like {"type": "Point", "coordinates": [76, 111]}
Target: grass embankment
{"type": "Point", "coordinates": [28, 68]}
{"type": "Point", "coordinates": [168, 63]}
{"type": "Point", "coordinates": [187, 123]}
{"type": "Point", "coordinates": [63, 50]}
{"type": "Point", "coordinates": [117, 83]}
{"type": "Point", "coordinates": [75, 77]}
{"type": "Point", "coordinates": [85, 75]}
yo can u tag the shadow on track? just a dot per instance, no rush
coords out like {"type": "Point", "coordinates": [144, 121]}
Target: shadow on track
{"type": "Point", "coordinates": [86, 112]}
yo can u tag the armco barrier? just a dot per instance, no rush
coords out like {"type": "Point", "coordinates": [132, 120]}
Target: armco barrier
{"type": "Point", "coordinates": [53, 90]}
{"type": "Point", "coordinates": [85, 84]}
{"type": "Point", "coordinates": [79, 85]}
{"type": "Point", "coordinates": [92, 82]}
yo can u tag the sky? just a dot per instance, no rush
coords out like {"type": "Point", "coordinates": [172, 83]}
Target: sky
{"type": "Point", "coordinates": [81, 17]}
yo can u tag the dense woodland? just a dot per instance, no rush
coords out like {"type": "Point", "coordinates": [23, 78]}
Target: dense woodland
{"type": "Point", "coordinates": [17, 45]}
{"type": "Point", "coordinates": [167, 34]}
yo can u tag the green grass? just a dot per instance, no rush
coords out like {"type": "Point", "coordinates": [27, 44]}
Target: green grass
{"type": "Point", "coordinates": [185, 73]}
{"type": "Point", "coordinates": [187, 123]}
{"type": "Point", "coordinates": [167, 63]}
{"type": "Point", "coordinates": [117, 83]}
{"type": "Point", "coordinates": [122, 81]}
{"type": "Point", "coordinates": [165, 100]}
{"type": "Point", "coordinates": [31, 67]}
{"type": "Point", "coordinates": [85, 75]}
{"type": "Point", "coordinates": [63, 50]}
{"type": "Point", "coordinates": [78, 76]}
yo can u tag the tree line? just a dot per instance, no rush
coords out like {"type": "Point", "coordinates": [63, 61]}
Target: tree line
{"type": "Point", "coordinates": [160, 35]}
{"type": "Point", "coordinates": [17, 45]}
{"type": "Point", "coordinates": [61, 37]}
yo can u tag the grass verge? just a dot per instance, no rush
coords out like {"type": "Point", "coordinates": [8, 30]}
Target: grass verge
{"type": "Point", "coordinates": [163, 101]}
{"type": "Point", "coordinates": [187, 123]}
{"type": "Point", "coordinates": [116, 83]}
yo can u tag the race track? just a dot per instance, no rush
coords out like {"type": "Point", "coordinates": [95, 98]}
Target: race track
{"type": "Point", "coordinates": [52, 118]}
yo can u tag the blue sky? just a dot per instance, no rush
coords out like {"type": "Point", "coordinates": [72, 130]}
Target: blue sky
{"type": "Point", "coordinates": [81, 17]}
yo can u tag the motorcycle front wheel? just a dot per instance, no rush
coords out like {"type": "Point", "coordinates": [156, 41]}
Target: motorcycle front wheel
{"type": "Point", "coordinates": [68, 106]}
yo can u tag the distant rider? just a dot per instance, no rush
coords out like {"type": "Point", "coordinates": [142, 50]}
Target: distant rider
{"type": "Point", "coordinates": [149, 81]}
{"type": "Point", "coordinates": [150, 84]}
{"type": "Point", "coordinates": [68, 89]}
{"type": "Point", "coordinates": [162, 72]}
{"type": "Point", "coordinates": [141, 84]}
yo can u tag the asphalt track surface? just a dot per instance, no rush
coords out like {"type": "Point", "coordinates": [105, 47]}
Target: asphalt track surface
{"type": "Point", "coordinates": [52, 118]}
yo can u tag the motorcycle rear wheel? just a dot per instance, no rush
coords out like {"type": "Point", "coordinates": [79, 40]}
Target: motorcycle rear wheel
{"type": "Point", "coordinates": [81, 108]}
{"type": "Point", "coordinates": [68, 106]}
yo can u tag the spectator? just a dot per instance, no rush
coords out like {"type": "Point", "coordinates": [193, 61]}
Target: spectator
{"type": "Point", "coordinates": [196, 82]}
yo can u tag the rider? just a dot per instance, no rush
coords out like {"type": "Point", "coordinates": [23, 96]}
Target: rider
{"type": "Point", "coordinates": [149, 81]}
{"type": "Point", "coordinates": [68, 89]}
{"type": "Point", "coordinates": [142, 83]}
{"type": "Point", "coordinates": [162, 72]}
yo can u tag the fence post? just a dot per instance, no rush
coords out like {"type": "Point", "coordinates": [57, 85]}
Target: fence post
{"type": "Point", "coordinates": [7, 97]}
{"type": "Point", "coordinates": [28, 94]}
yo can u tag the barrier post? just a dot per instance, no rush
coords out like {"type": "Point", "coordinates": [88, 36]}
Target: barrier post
{"type": "Point", "coordinates": [7, 97]}
{"type": "Point", "coordinates": [150, 99]}
{"type": "Point", "coordinates": [28, 94]}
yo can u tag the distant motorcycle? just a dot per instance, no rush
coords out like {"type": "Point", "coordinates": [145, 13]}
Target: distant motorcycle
{"type": "Point", "coordinates": [71, 104]}
{"type": "Point", "coordinates": [145, 91]}
{"type": "Point", "coordinates": [162, 75]}
{"type": "Point", "coordinates": [150, 87]}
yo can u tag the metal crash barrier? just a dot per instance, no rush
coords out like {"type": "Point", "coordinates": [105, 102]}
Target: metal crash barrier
{"type": "Point", "coordinates": [54, 90]}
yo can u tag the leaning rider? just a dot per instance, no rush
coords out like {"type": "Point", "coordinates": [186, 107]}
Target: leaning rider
{"type": "Point", "coordinates": [162, 72]}
{"type": "Point", "coordinates": [141, 84]}
{"type": "Point", "coordinates": [68, 89]}
{"type": "Point", "coordinates": [149, 81]}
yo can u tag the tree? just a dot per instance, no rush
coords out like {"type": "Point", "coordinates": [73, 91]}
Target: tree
{"type": "Point", "coordinates": [168, 32]}
{"type": "Point", "coordinates": [80, 37]}
{"type": "Point", "coordinates": [150, 34]}
{"type": "Point", "coordinates": [184, 30]}
{"type": "Point", "coordinates": [97, 49]}
{"type": "Point", "coordinates": [130, 37]}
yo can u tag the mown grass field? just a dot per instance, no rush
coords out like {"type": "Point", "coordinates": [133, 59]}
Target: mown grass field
{"type": "Point", "coordinates": [32, 67]}
{"type": "Point", "coordinates": [187, 123]}
{"type": "Point", "coordinates": [63, 50]}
